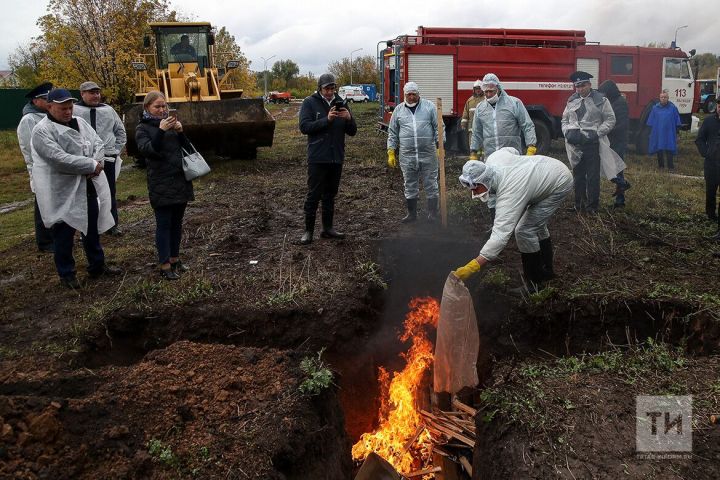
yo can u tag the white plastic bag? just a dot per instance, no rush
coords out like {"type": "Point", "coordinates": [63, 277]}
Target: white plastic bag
{"type": "Point", "coordinates": [458, 340]}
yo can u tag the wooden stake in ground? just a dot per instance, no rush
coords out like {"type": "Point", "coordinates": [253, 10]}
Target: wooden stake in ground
{"type": "Point", "coordinates": [441, 163]}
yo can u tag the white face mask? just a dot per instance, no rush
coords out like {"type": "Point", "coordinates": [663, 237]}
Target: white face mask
{"type": "Point", "coordinates": [493, 100]}
{"type": "Point", "coordinates": [482, 196]}
{"type": "Point", "coordinates": [411, 104]}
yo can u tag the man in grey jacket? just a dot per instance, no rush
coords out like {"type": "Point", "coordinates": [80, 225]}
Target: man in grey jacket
{"type": "Point", "coordinates": [111, 130]}
{"type": "Point", "coordinates": [586, 121]}
{"type": "Point", "coordinates": [500, 121]}
{"type": "Point", "coordinates": [33, 112]}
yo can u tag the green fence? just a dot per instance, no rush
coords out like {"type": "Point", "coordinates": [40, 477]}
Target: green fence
{"type": "Point", "coordinates": [12, 101]}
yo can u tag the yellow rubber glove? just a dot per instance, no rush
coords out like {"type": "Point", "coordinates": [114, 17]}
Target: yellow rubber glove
{"type": "Point", "coordinates": [532, 150]}
{"type": "Point", "coordinates": [392, 159]}
{"type": "Point", "coordinates": [473, 155]}
{"type": "Point", "coordinates": [467, 271]}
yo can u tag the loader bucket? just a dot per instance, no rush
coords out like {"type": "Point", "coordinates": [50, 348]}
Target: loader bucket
{"type": "Point", "coordinates": [232, 127]}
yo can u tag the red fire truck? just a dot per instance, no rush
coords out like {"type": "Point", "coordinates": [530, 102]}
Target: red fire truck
{"type": "Point", "coordinates": [533, 65]}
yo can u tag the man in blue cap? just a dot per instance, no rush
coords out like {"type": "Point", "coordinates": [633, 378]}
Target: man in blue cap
{"type": "Point", "coordinates": [72, 190]}
{"type": "Point", "coordinates": [34, 111]}
{"type": "Point", "coordinates": [586, 121]}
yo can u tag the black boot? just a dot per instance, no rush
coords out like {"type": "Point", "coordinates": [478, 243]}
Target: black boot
{"type": "Point", "coordinates": [533, 270]}
{"type": "Point", "coordinates": [546, 250]}
{"type": "Point", "coordinates": [327, 221]}
{"type": "Point", "coordinates": [307, 237]}
{"type": "Point", "coordinates": [432, 205]}
{"type": "Point", "coordinates": [412, 210]}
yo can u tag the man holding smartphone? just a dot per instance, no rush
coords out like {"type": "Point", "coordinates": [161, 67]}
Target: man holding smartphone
{"type": "Point", "coordinates": [326, 121]}
{"type": "Point", "coordinates": [106, 122]}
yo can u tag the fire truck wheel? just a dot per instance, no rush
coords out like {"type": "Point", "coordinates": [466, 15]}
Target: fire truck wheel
{"type": "Point", "coordinates": [710, 105]}
{"type": "Point", "coordinates": [542, 132]}
{"type": "Point", "coordinates": [641, 141]}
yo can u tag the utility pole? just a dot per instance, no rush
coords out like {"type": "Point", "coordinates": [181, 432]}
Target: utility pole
{"type": "Point", "coordinates": [351, 64]}
{"type": "Point", "coordinates": [265, 60]}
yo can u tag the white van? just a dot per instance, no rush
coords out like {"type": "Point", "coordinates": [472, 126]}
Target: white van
{"type": "Point", "coordinates": [353, 94]}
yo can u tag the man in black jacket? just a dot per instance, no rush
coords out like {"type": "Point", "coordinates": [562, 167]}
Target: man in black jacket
{"type": "Point", "coordinates": [618, 136]}
{"type": "Point", "coordinates": [708, 144]}
{"type": "Point", "coordinates": [326, 124]}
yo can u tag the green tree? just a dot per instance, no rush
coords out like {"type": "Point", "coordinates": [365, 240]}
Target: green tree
{"type": "Point", "coordinates": [285, 70]}
{"type": "Point", "coordinates": [96, 40]}
{"type": "Point", "coordinates": [25, 64]}
{"type": "Point", "coordinates": [363, 71]}
{"type": "Point", "coordinates": [705, 65]}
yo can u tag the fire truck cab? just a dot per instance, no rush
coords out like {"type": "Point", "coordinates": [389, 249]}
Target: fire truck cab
{"type": "Point", "coordinates": [533, 65]}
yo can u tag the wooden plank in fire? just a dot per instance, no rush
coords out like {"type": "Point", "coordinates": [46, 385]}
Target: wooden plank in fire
{"type": "Point", "coordinates": [453, 434]}
{"type": "Point", "coordinates": [464, 408]}
{"type": "Point", "coordinates": [420, 473]}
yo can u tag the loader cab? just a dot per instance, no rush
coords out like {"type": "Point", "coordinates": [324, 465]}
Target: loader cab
{"type": "Point", "coordinates": [186, 44]}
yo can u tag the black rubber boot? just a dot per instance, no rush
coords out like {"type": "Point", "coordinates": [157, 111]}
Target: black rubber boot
{"type": "Point", "coordinates": [307, 237]}
{"type": "Point", "coordinates": [327, 221]}
{"type": "Point", "coordinates": [546, 251]}
{"type": "Point", "coordinates": [432, 205]}
{"type": "Point", "coordinates": [412, 210]}
{"type": "Point", "coordinates": [533, 270]}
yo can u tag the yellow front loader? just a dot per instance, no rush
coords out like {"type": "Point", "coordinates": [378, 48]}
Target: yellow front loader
{"type": "Point", "coordinates": [184, 66]}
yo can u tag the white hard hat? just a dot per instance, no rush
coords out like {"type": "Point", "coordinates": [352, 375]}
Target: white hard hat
{"type": "Point", "coordinates": [477, 84]}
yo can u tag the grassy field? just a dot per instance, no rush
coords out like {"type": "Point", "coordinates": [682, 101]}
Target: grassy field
{"type": "Point", "coordinates": [678, 198]}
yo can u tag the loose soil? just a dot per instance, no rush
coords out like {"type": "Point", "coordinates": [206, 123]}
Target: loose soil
{"type": "Point", "coordinates": [136, 378]}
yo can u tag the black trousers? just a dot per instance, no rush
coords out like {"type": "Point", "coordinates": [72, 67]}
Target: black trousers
{"type": "Point", "coordinates": [64, 236]}
{"type": "Point", "coordinates": [168, 231]}
{"type": "Point", "coordinates": [109, 169]}
{"type": "Point", "coordinates": [665, 154]}
{"type": "Point", "coordinates": [586, 176]}
{"type": "Point", "coordinates": [323, 183]}
{"type": "Point", "coordinates": [43, 235]}
{"type": "Point", "coordinates": [712, 183]}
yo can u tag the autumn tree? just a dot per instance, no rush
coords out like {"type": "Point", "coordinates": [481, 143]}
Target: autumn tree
{"type": "Point", "coordinates": [705, 65]}
{"type": "Point", "coordinates": [226, 48]}
{"type": "Point", "coordinates": [96, 40]}
{"type": "Point", "coordinates": [285, 70]}
{"type": "Point", "coordinates": [364, 70]}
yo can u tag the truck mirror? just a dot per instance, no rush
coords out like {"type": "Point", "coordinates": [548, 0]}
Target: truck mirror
{"type": "Point", "coordinates": [146, 41]}
{"type": "Point", "coordinates": [139, 66]}
{"type": "Point", "coordinates": [692, 52]}
{"type": "Point", "coordinates": [211, 39]}
{"type": "Point", "coordinates": [232, 64]}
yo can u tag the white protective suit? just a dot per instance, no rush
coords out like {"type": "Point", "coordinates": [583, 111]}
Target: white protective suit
{"type": "Point", "coordinates": [502, 126]}
{"type": "Point", "coordinates": [416, 137]}
{"type": "Point", "coordinates": [599, 117]}
{"type": "Point", "coordinates": [63, 157]}
{"type": "Point", "coordinates": [526, 191]}
{"type": "Point", "coordinates": [31, 117]}
{"type": "Point", "coordinates": [107, 125]}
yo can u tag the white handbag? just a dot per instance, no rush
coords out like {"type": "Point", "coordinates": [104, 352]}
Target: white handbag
{"type": "Point", "coordinates": [194, 165]}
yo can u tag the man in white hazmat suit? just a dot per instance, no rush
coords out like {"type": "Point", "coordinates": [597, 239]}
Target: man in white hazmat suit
{"type": "Point", "coordinates": [413, 131]}
{"type": "Point", "coordinates": [33, 112]}
{"type": "Point", "coordinates": [106, 122]}
{"type": "Point", "coordinates": [586, 122]}
{"type": "Point", "coordinates": [500, 121]}
{"type": "Point", "coordinates": [72, 191]}
{"type": "Point", "coordinates": [526, 192]}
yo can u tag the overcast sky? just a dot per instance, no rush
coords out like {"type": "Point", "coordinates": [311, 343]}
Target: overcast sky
{"type": "Point", "coordinates": [314, 33]}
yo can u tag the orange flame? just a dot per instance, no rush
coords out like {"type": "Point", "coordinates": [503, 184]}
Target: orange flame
{"type": "Point", "coordinates": [398, 416]}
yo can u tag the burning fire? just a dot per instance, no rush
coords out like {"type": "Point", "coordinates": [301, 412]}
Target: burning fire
{"type": "Point", "coordinates": [398, 415]}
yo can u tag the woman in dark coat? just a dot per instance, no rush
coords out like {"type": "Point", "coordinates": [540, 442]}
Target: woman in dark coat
{"type": "Point", "coordinates": [160, 140]}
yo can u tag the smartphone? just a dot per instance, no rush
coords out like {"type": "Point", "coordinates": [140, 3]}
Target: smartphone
{"type": "Point", "coordinates": [172, 112]}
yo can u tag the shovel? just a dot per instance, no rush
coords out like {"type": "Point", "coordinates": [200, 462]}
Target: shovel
{"type": "Point", "coordinates": [377, 468]}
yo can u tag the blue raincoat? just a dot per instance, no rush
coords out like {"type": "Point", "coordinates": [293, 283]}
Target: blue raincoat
{"type": "Point", "coordinates": [663, 122]}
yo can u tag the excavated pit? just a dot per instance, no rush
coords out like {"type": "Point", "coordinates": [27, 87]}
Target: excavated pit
{"type": "Point", "coordinates": [318, 444]}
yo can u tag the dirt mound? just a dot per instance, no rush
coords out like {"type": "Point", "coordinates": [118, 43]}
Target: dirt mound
{"type": "Point", "coordinates": [189, 411]}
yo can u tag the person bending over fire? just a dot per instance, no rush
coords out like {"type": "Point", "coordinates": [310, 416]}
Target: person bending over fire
{"type": "Point", "coordinates": [525, 192]}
